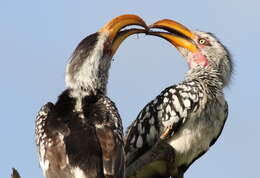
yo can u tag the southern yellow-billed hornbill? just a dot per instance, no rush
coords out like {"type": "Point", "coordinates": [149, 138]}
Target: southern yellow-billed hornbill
{"type": "Point", "coordinates": [80, 136]}
{"type": "Point", "coordinates": [188, 116]}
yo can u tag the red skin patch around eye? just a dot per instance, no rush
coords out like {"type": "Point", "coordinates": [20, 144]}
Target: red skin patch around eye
{"type": "Point", "coordinates": [201, 46]}
{"type": "Point", "coordinates": [197, 59]}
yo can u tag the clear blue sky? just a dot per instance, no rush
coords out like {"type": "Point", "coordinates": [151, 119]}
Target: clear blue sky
{"type": "Point", "coordinates": [37, 38]}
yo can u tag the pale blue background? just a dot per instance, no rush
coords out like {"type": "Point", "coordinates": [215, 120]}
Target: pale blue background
{"type": "Point", "coordinates": [37, 38]}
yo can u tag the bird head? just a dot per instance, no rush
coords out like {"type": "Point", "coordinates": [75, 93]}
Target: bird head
{"type": "Point", "coordinates": [201, 50]}
{"type": "Point", "coordinates": [90, 62]}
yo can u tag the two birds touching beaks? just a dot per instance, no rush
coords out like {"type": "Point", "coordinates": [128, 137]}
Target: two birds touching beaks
{"type": "Point", "coordinates": [81, 135]}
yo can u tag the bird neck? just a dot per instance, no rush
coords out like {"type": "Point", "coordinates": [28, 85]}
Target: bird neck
{"type": "Point", "coordinates": [80, 96]}
{"type": "Point", "coordinates": [88, 71]}
{"type": "Point", "coordinates": [210, 79]}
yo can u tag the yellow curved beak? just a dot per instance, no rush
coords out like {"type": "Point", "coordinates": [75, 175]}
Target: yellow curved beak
{"type": "Point", "coordinates": [178, 35]}
{"type": "Point", "coordinates": [122, 35]}
{"type": "Point", "coordinates": [114, 26]}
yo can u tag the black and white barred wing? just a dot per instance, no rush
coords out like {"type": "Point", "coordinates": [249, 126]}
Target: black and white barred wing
{"type": "Point", "coordinates": [110, 134]}
{"type": "Point", "coordinates": [50, 144]}
{"type": "Point", "coordinates": [162, 117]}
{"type": "Point", "coordinates": [40, 131]}
{"type": "Point", "coordinates": [67, 147]}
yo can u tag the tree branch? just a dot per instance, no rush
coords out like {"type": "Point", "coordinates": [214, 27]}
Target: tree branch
{"type": "Point", "coordinates": [15, 173]}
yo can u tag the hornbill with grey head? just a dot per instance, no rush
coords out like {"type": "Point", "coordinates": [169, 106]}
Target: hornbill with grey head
{"type": "Point", "coordinates": [81, 135]}
{"type": "Point", "coordinates": [189, 116]}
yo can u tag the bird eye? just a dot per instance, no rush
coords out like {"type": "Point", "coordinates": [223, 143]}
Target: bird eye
{"type": "Point", "coordinates": [202, 41]}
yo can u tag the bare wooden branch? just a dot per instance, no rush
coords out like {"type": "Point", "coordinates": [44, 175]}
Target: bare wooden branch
{"type": "Point", "coordinates": [15, 173]}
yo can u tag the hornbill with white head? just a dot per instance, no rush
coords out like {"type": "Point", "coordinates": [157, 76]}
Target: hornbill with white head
{"type": "Point", "coordinates": [188, 116]}
{"type": "Point", "coordinates": [81, 135]}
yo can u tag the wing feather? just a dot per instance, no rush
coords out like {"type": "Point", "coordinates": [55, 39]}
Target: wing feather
{"type": "Point", "coordinates": [109, 131]}
{"type": "Point", "coordinates": [162, 117]}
